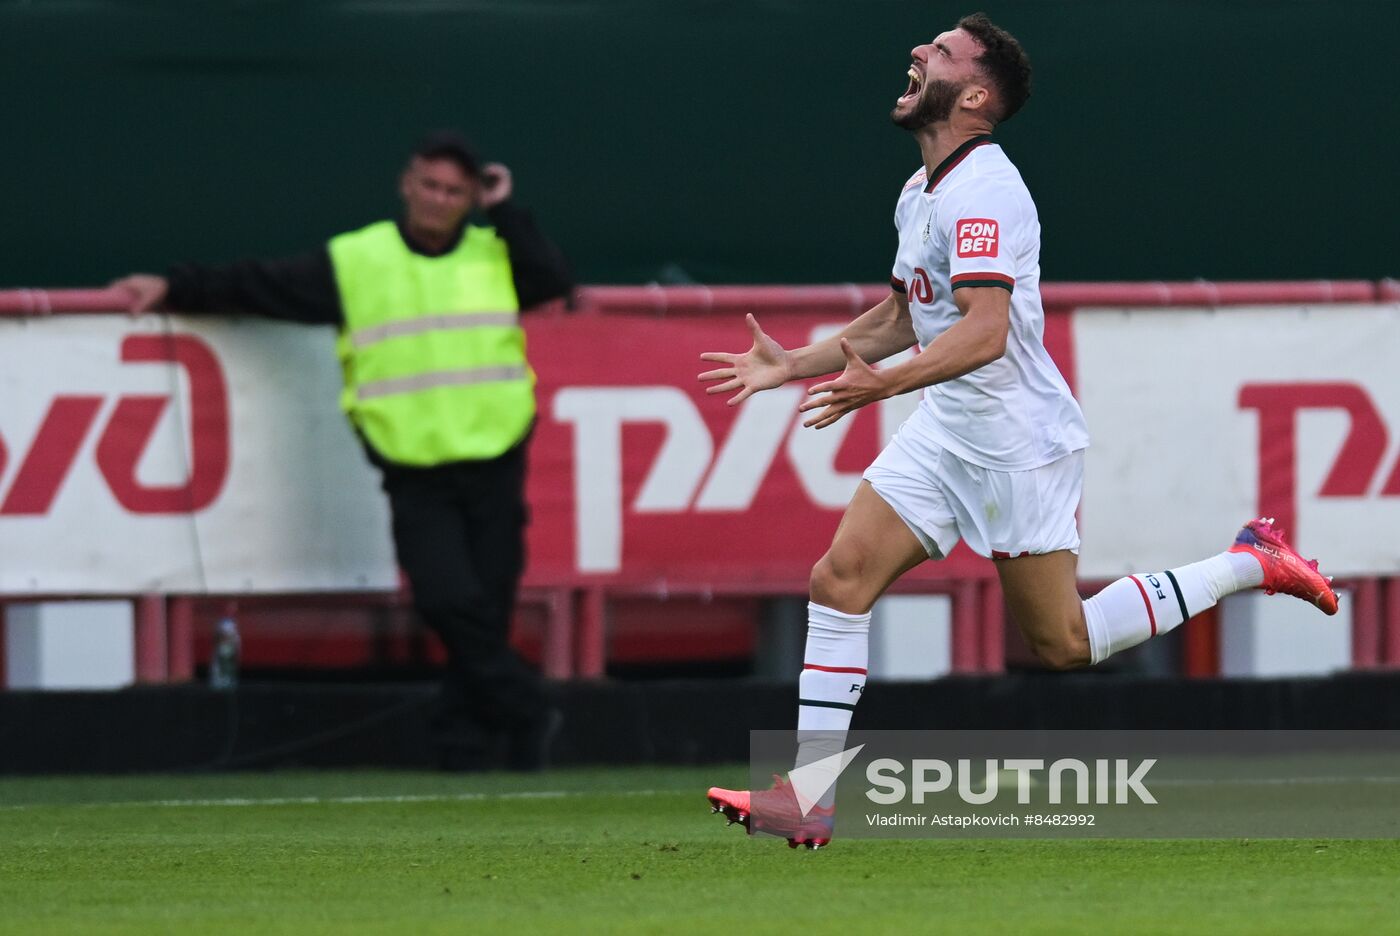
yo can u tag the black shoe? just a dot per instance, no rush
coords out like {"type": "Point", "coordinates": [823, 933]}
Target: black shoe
{"type": "Point", "coordinates": [528, 747]}
{"type": "Point", "coordinates": [455, 758]}
{"type": "Point", "coordinates": [461, 745]}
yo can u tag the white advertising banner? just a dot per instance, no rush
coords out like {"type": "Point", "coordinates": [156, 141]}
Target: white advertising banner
{"type": "Point", "coordinates": [1202, 419]}
{"type": "Point", "coordinates": [180, 455]}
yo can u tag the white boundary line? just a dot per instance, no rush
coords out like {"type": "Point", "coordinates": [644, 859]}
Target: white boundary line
{"type": "Point", "coordinates": [341, 800]}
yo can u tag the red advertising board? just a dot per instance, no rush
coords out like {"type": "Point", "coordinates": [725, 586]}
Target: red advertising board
{"type": "Point", "coordinates": [639, 477]}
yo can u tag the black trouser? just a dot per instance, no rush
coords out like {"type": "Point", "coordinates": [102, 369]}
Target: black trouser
{"type": "Point", "coordinates": [459, 530]}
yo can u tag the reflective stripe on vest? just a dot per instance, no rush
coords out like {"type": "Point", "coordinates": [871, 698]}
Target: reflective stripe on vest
{"type": "Point", "coordinates": [453, 378]}
{"type": "Point", "coordinates": [432, 350]}
{"type": "Point", "coordinates": [365, 337]}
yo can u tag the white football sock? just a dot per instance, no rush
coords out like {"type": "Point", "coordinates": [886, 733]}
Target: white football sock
{"type": "Point", "coordinates": [832, 680]}
{"type": "Point", "coordinates": [1140, 606]}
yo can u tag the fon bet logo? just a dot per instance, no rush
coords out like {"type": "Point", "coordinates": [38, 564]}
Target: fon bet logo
{"type": "Point", "coordinates": [50, 456]}
{"type": "Point", "coordinates": [977, 237]}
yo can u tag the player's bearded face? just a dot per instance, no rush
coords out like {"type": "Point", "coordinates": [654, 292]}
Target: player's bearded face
{"type": "Point", "coordinates": [935, 103]}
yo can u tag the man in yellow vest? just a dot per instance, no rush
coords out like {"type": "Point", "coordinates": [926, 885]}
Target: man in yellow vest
{"type": "Point", "coordinates": [438, 388]}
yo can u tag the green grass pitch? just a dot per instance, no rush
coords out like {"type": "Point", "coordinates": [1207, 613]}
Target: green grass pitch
{"type": "Point", "coordinates": [609, 851]}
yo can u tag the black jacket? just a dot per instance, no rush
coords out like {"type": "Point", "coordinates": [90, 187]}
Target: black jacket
{"type": "Point", "coordinates": [303, 289]}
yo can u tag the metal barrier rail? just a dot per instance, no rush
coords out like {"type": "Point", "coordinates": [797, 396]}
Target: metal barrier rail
{"type": "Point", "coordinates": [839, 299]}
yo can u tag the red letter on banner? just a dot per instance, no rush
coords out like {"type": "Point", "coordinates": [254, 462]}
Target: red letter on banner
{"type": "Point", "coordinates": [51, 455]}
{"type": "Point", "coordinates": [1356, 463]}
{"type": "Point", "coordinates": [134, 422]}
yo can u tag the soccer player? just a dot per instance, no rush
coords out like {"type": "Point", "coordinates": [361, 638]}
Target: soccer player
{"type": "Point", "coordinates": [994, 454]}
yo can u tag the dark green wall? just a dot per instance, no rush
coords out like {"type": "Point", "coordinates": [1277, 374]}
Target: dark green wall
{"type": "Point", "coordinates": [739, 141]}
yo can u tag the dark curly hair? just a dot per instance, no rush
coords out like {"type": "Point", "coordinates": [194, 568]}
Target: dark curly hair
{"type": "Point", "coordinates": [1003, 61]}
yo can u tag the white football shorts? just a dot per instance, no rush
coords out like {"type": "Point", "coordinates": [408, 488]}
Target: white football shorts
{"type": "Point", "coordinates": [1001, 514]}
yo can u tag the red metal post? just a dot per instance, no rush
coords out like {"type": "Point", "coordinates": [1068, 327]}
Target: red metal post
{"type": "Point", "coordinates": [1201, 644]}
{"type": "Point", "coordinates": [1391, 648]}
{"type": "Point", "coordinates": [151, 656]}
{"type": "Point", "coordinates": [592, 634]}
{"type": "Point", "coordinates": [557, 655]}
{"type": "Point", "coordinates": [993, 659]}
{"type": "Point", "coordinates": [180, 637]}
{"type": "Point", "coordinates": [966, 646]}
{"type": "Point", "coordinates": [1365, 623]}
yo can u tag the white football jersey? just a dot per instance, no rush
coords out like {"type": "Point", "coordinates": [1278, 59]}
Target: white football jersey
{"type": "Point", "coordinates": [974, 224]}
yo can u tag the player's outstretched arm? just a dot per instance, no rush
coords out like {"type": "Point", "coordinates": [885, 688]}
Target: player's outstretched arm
{"type": "Point", "coordinates": [764, 366]}
{"type": "Point", "coordinates": [859, 385]}
{"type": "Point", "coordinates": [885, 328]}
{"type": "Point", "coordinates": [978, 339]}
{"type": "Point", "coordinates": [882, 330]}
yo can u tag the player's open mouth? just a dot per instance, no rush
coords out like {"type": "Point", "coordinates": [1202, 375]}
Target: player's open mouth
{"type": "Point", "coordinates": [916, 82]}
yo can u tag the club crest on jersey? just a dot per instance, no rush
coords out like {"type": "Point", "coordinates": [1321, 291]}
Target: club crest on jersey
{"type": "Point", "coordinates": [977, 237]}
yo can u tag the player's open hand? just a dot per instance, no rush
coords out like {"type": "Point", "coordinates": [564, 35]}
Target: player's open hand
{"type": "Point", "coordinates": [858, 385]}
{"type": "Point", "coordinates": [144, 292]}
{"type": "Point", "coordinates": [762, 367]}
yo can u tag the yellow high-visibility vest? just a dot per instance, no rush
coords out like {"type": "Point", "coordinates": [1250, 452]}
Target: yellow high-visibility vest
{"type": "Point", "coordinates": [431, 348]}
